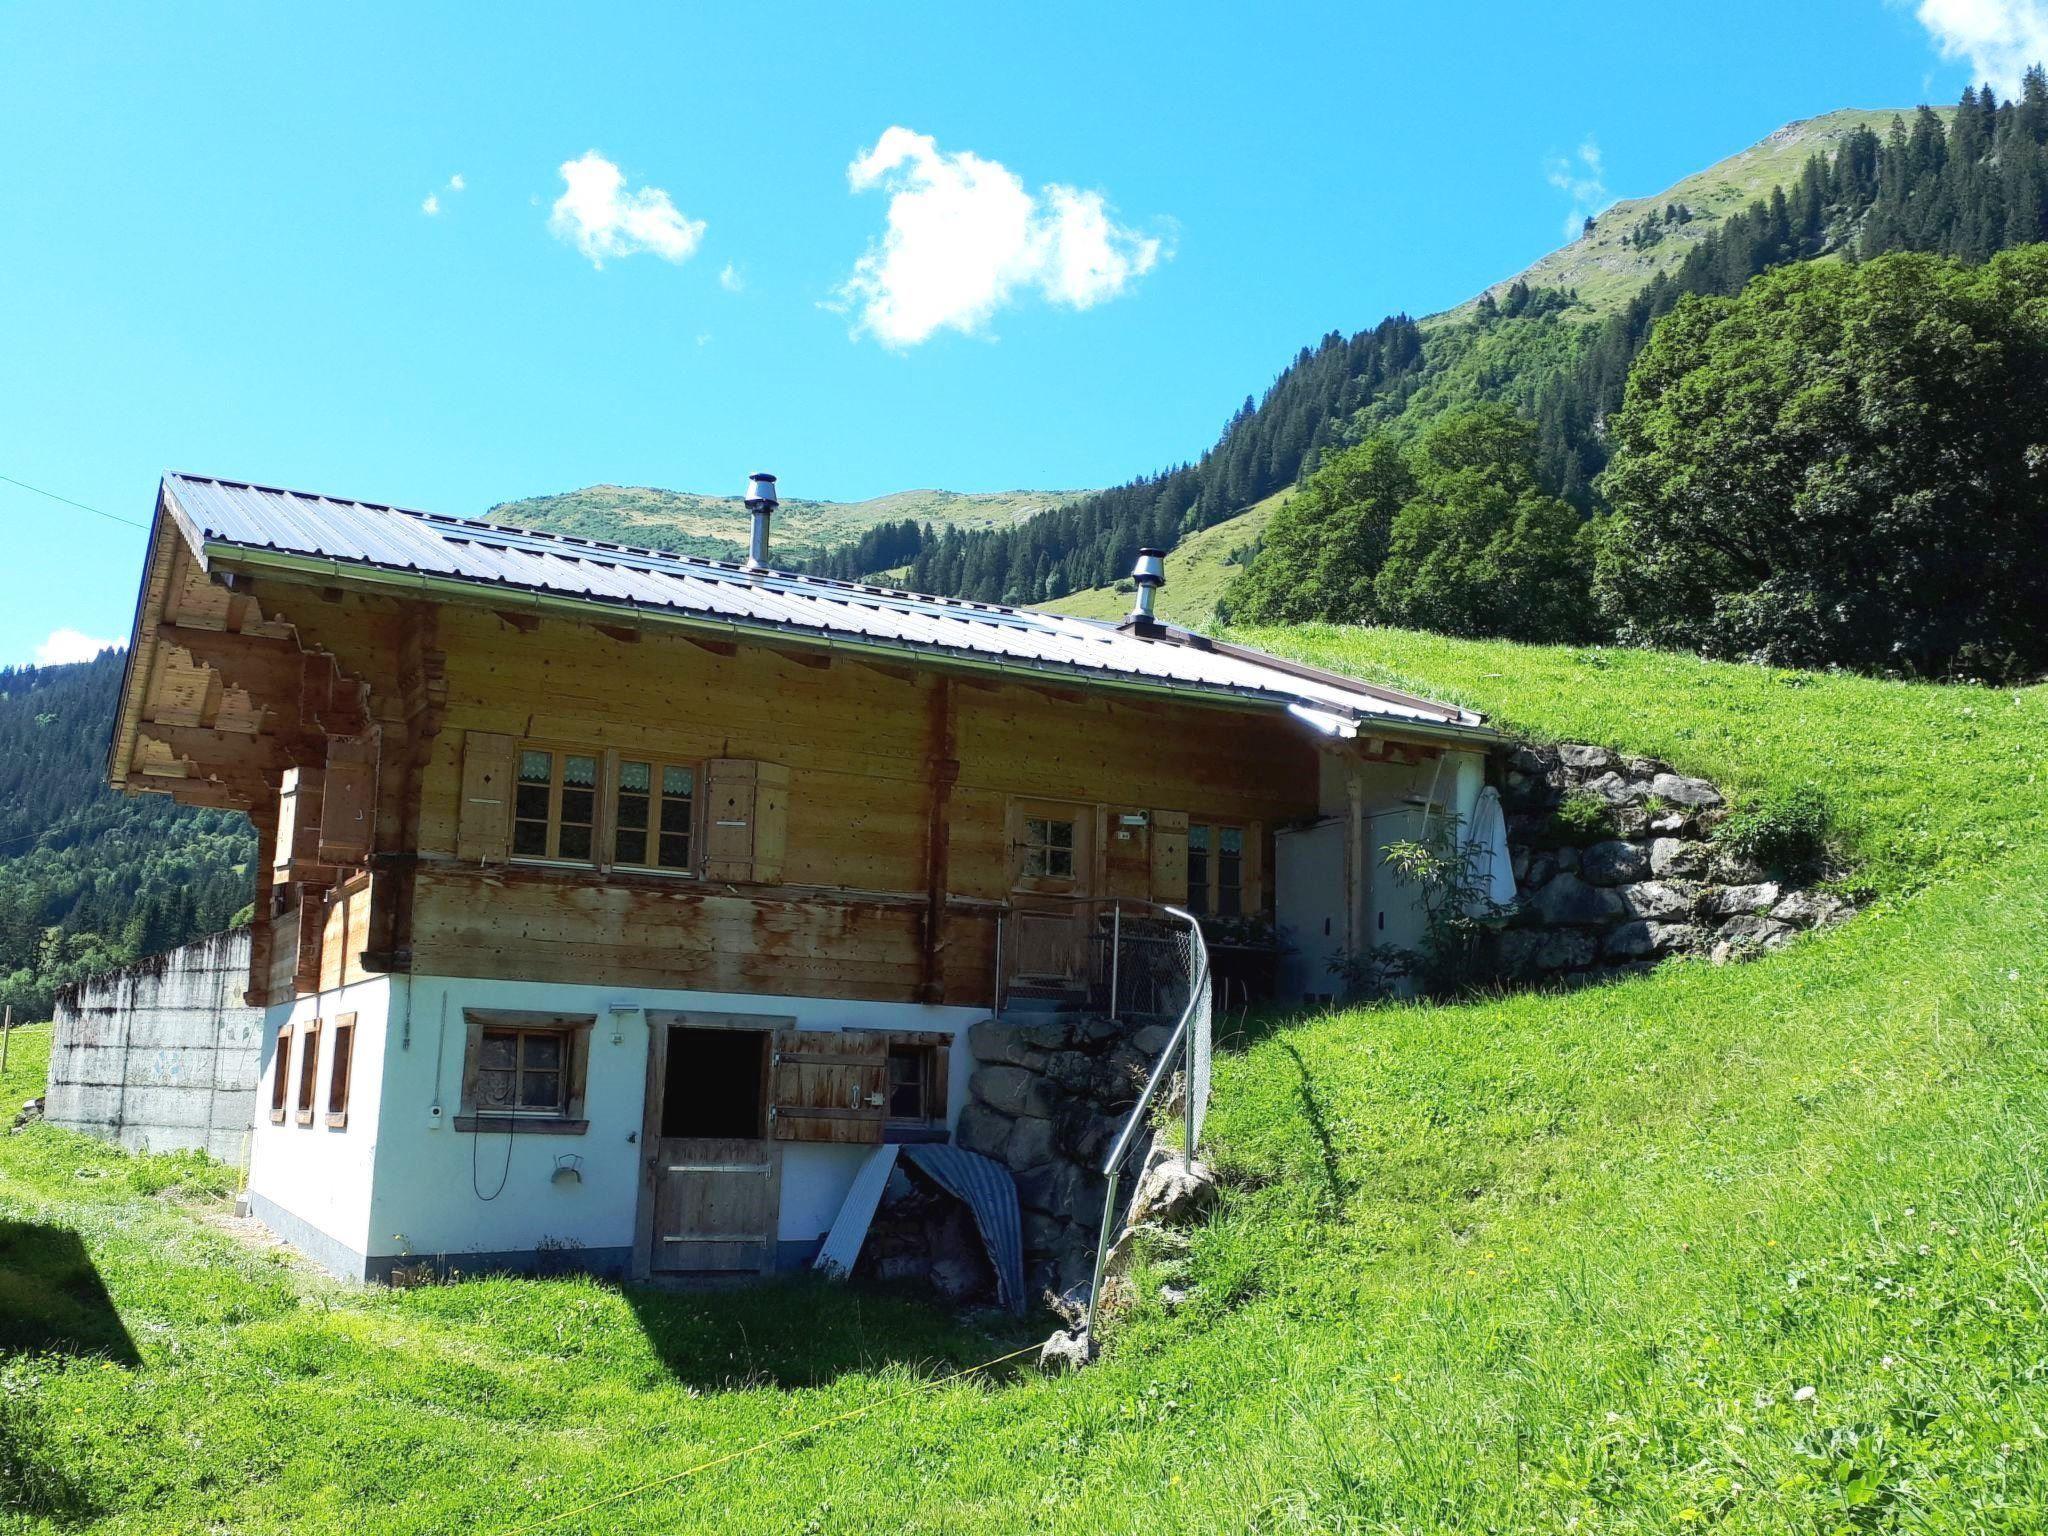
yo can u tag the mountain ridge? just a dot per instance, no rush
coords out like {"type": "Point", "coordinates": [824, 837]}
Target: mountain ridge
{"type": "Point", "coordinates": [718, 527]}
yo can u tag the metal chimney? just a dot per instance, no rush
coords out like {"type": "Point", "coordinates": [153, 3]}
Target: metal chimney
{"type": "Point", "coordinates": [761, 501]}
{"type": "Point", "coordinates": [1150, 575]}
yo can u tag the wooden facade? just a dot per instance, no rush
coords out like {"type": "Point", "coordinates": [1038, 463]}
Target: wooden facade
{"type": "Point", "coordinates": [855, 826]}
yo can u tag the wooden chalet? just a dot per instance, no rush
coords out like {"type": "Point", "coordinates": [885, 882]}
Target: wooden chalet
{"type": "Point", "coordinates": [609, 902]}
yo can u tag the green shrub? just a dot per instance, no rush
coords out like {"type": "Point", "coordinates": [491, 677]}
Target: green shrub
{"type": "Point", "coordinates": [1786, 832]}
{"type": "Point", "coordinates": [1581, 819]}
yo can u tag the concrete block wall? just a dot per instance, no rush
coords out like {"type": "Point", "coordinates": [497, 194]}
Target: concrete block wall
{"type": "Point", "coordinates": [163, 1054]}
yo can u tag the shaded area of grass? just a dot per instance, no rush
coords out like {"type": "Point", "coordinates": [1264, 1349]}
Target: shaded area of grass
{"type": "Point", "coordinates": [1760, 1249]}
{"type": "Point", "coordinates": [52, 1300]}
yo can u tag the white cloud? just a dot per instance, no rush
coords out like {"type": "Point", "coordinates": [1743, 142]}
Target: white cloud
{"type": "Point", "coordinates": [2000, 38]}
{"type": "Point", "coordinates": [430, 205]}
{"type": "Point", "coordinates": [597, 215]}
{"type": "Point", "coordinates": [965, 237]}
{"type": "Point", "coordinates": [1582, 178]}
{"type": "Point", "coordinates": [731, 279]}
{"type": "Point", "coordinates": [69, 645]}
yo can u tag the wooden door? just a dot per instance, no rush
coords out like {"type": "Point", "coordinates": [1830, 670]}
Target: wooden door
{"type": "Point", "coordinates": [714, 1175]}
{"type": "Point", "coordinates": [1052, 873]}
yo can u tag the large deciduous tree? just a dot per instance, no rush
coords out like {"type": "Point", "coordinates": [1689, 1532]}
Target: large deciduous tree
{"type": "Point", "coordinates": [1841, 466]}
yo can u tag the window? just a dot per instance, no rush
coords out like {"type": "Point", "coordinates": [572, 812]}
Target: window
{"type": "Point", "coordinates": [655, 814]}
{"type": "Point", "coordinates": [554, 806]}
{"type": "Point", "coordinates": [309, 1070]}
{"type": "Point", "coordinates": [1216, 870]}
{"type": "Point", "coordinates": [340, 1063]}
{"type": "Point", "coordinates": [525, 1072]}
{"type": "Point", "coordinates": [1048, 848]}
{"type": "Point", "coordinates": [281, 1075]}
{"type": "Point", "coordinates": [597, 808]}
{"type": "Point", "coordinates": [914, 1086]}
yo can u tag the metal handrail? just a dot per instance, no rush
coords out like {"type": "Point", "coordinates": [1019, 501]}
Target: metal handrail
{"type": "Point", "coordinates": [1178, 1048]}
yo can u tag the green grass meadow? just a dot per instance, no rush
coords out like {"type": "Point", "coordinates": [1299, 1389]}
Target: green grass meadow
{"type": "Point", "coordinates": [1761, 1248]}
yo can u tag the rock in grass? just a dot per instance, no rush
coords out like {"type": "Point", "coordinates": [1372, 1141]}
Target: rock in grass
{"type": "Point", "coordinates": [1588, 758]}
{"type": "Point", "coordinates": [1676, 789]}
{"type": "Point", "coordinates": [1807, 909]}
{"type": "Point", "coordinates": [1066, 1352]}
{"type": "Point", "coordinates": [1173, 1192]}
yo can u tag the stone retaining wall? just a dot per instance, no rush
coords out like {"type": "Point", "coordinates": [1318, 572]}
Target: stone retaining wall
{"type": "Point", "coordinates": [1645, 886]}
{"type": "Point", "coordinates": [1050, 1097]}
{"type": "Point", "coordinates": [161, 1055]}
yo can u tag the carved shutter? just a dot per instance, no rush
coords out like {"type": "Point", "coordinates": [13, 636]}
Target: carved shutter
{"type": "Point", "coordinates": [348, 800]}
{"type": "Point", "coordinates": [1170, 856]}
{"type": "Point", "coordinates": [485, 817]}
{"type": "Point", "coordinates": [744, 819]}
{"type": "Point", "coordinates": [829, 1085]}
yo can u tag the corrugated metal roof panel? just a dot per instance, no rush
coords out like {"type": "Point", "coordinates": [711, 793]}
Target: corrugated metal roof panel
{"type": "Point", "coordinates": [229, 513]}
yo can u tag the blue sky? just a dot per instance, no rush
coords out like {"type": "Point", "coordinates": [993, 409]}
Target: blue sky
{"type": "Point", "coordinates": [870, 248]}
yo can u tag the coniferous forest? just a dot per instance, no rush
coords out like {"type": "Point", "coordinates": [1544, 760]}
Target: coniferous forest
{"type": "Point", "coordinates": [90, 879]}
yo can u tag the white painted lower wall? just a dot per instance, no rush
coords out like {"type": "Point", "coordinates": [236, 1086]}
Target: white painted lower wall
{"type": "Point", "coordinates": [312, 1183]}
{"type": "Point", "coordinates": [401, 1182]}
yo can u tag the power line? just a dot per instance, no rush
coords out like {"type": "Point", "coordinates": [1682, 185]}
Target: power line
{"type": "Point", "coordinates": [95, 511]}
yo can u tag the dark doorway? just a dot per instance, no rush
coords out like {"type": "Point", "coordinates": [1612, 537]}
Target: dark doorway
{"type": "Point", "coordinates": [715, 1083]}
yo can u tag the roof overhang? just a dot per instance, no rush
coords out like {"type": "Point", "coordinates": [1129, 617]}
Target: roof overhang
{"type": "Point", "coordinates": [366, 576]}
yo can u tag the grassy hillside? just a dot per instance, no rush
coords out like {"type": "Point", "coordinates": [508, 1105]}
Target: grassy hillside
{"type": "Point", "coordinates": [718, 526]}
{"type": "Point", "coordinates": [1750, 1249]}
{"type": "Point", "coordinates": [28, 1066]}
{"type": "Point", "coordinates": [1608, 271]}
{"type": "Point", "coordinates": [1197, 570]}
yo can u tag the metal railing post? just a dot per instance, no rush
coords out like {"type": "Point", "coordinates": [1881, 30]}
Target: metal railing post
{"type": "Point", "coordinates": [1116, 955]}
{"type": "Point", "coordinates": [996, 1006]}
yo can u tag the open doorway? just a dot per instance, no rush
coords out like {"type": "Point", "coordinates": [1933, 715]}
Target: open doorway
{"type": "Point", "coordinates": [712, 1192]}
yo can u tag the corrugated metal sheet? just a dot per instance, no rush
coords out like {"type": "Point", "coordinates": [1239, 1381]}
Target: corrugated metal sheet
{"type": "Point", "coordinates": [991, 1194]}
{"type": "Point", "coordinates": [219, 516]}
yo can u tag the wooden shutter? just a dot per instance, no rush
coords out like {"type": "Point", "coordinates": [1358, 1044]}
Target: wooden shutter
{"type": "Point", "coordinates": [298, 827]}
{"type": "Point", "coordinates": [348, 800]}
{"type": "Point", "coordinates": [1170, 856]}
{"type": "Point", "coordinates": [484, 820]}
{"type": "Point", "coordinates": [829, 1085]}
{"type": "Point", "coordinates": [745, 805]}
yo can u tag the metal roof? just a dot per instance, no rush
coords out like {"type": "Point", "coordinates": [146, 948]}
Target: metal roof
{"type": "Point", "coordinates": [230, 521]}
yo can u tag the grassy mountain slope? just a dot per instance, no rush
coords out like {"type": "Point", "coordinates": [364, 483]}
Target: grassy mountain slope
{"type": "Point", "coordinates": [718, 526]}
{"type": "Point", "coordinates": [1608, 271]}
{"type": "Point", "coordinates": [1197, 570]}
{"type": "Point", "coordinates": [1752, 1249]}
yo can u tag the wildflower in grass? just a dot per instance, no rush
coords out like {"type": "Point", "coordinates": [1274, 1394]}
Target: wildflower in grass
{"type": "Point", "coordinates": [1803, 1395]}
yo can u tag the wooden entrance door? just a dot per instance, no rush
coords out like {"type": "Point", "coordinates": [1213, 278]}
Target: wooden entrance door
{"type": "Point", "coordinates": [713, 1184]}
{"type": "Point", "coordinates": [1052, 865]}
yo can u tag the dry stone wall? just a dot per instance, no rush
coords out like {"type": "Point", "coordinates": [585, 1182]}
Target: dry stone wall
{"type": "Point", "coordinates": [1643, 885]}
{"type": "Point", "coordinates": [1050, 1097]}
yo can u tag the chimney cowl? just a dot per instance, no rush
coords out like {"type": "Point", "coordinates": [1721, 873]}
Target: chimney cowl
{"type": "Point", "coordinates": [1150, 575]}
{"type": "Point", "coordinates": [762, 502]}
